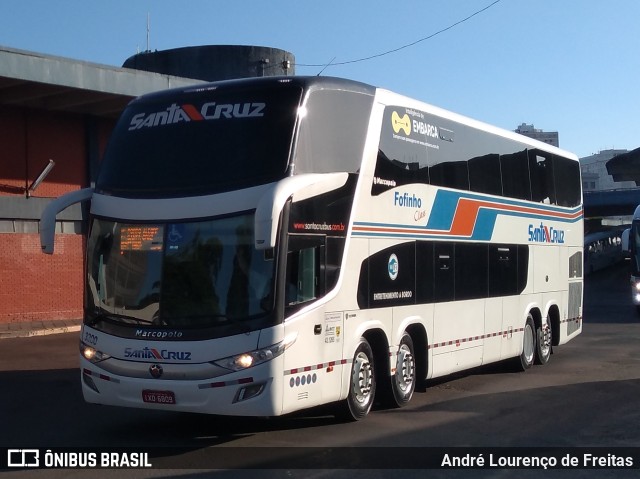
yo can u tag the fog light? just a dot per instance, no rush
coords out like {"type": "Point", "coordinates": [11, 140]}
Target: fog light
{"type": "Point", "coordinates": [249, 392]}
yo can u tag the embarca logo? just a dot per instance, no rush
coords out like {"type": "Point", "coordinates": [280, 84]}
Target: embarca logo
{"type": "Point", "coordinates": [187, 112]}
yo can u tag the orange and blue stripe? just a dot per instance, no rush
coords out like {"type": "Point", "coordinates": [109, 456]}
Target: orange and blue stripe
{"type": "Point", "coordinates": [468, 216]}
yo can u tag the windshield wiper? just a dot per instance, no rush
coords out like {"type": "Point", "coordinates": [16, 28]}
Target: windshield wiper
{"type": "Point", "coordinates": [221, 320]}
{"type": "Point", "coordinates": [94, 318]}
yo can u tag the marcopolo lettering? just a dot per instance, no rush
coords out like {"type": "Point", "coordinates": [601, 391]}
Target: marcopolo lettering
{"type": "Point", "coordinates": [156, 334]}
{"type": "Point", "coordinates": [152, 353]}
{"type": "Point", "coordinates": [187, 112]}
{"type": "Point", "coordinates": [407, 200]}
{"type": "Point", "coordinates": [545, 234]}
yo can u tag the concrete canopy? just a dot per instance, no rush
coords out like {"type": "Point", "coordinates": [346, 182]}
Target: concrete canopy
{"type": "Point", "coordinates": [34, 80]}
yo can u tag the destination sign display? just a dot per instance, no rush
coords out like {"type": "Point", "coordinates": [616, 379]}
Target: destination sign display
{"type": "Point", "coordinates": [141, 238]}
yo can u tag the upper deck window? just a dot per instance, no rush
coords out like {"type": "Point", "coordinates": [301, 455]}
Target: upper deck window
{"type": "Point", "coordinates": [333, 129]}
{"type": "Point", "coordinates": [201, 142]}
{"type": "Point", "coordinates": [420, 148]}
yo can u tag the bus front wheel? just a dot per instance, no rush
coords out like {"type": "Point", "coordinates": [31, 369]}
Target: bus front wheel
{"type": "Point", "coordinates": [527, 356]}
{"type": "Point", "coordinates": [362, 384]}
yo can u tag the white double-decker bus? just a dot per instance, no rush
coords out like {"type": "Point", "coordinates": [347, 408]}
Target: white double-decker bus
{"type": "Point", "coordinates": [261, 246]}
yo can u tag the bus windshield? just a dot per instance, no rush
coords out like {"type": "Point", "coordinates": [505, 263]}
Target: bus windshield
{"type": "Point", "coordinates": [178, 275]}
{"type": "Point", "coordinates": [202, 142]}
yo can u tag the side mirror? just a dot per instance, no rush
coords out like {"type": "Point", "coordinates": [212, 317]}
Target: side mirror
{"type": "Point", "coordinates": [48, 218]}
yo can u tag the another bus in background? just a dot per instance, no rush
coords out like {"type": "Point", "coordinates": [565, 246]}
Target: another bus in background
{"type": "Point", "coordinates": [602, 249]}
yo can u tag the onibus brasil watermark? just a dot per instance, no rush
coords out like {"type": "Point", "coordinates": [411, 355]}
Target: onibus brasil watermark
{"type": "Point", "coordinates": [36, 458]}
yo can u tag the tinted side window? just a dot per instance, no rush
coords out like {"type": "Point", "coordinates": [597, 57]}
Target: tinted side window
{"type": "Point", "coordinates": [567, 179]}
{"type": "Point", "coordinates": [444, 272]}
{"type": "Point", "coordinates": [523, 267]}
{"type": "Point", "coordinates": [388, 278]}
{"type": "Point", "coordinates": [515, 175]}
{"type": "Point", "coordinates": [242, 138]}
{"type": "Point", "coordinates": [541, 173]}
{"type": "Point", "coordinates": [335, 248]}
{"type": "Point", "coordinates": [393, 173]}
{"type": "Point", "coordinates": [452, 174]}
{"type": "Point", "coordinates": [306, 269]}
{"type": "Point", "coordinates": [503, 270]}
{"type": "Point", "coordinates": [472, 274]}
{"type": "Point", "coordinates": [484, 174]}
{"type": "Point", "coordinates": [323, 146]}
{"type": "Point", "coordinates": [422, 148]}
{"type": "Point", "coordinates": [424, 272]}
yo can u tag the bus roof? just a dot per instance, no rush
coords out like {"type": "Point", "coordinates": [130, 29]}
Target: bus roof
{"type": "Point", "coordinates": [325, 82]}
{"type": "Point", "coordinates": [305, 82]}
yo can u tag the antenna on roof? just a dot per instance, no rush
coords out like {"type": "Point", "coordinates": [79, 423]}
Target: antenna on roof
{"type": "Point", "coordinates": [148, 30]}
{"type": "Point", "coordinates": [326, 66]}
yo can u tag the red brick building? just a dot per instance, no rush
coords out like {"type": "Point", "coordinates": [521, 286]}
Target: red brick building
{"type": "Point", "coordinates": [62, 110]}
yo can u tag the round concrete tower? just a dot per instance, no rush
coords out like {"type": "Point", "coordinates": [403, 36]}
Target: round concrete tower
{"type": "Point", "coordinates": [215, 62]}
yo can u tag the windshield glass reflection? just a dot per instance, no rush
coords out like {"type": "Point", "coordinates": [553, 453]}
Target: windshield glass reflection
{"type": "Point", "coordinates": [178, 275]}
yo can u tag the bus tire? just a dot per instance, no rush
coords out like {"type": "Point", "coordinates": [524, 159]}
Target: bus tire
{"type": "Point", "coordinates": [543, 342]}
{"type": "Point", "coordinates": [526, 358]}
{"type": "Point", "coordinates": [403, 382]}
{"type": "Point", "coordinates": [362, 384]}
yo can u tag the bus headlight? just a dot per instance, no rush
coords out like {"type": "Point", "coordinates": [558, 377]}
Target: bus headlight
{"type": "Point", "coordinates": [92, 354]}
{"type": "Point", "coordinates": [253, 358]}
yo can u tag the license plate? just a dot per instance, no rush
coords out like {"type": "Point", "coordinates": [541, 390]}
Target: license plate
{"type": "Point", "coordinates": [158, 397]}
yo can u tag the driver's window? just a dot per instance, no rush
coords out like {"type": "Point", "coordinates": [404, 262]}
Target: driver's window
{"type": "Point", "coordinates": [304, 281]}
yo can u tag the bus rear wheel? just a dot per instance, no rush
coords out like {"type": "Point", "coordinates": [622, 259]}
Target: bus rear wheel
{"type": "Point", "coordinates": [362, 384]}
{"type": "Point", "coordinates": [543, 342]}
{"type": "Point", "coordinates": [403, 382]}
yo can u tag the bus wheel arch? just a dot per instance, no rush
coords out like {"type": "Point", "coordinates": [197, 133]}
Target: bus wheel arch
{"type": "Point", "coordinates": [420, 349]}
{"type": "Point", "coordinates": [554, 320]}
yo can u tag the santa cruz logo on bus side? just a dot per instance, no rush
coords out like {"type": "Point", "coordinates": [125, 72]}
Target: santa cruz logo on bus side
{"type": "Point", "coordinates": [545, 234]}
{"type": "Point", "coordinates": [209, 111]}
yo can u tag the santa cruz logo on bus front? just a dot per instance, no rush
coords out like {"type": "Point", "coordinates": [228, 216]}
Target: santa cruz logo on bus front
{"type": "Point", "coordinates": [153, 353]}
{"type": "Point", "coordinates": [392, 267]}
{"type": "Point", "coordinates": [209, 111]}
{"type": "Point", "coordinates": [545, 234]}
